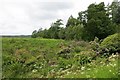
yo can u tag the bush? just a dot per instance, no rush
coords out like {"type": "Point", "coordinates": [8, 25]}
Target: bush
{"type": "Point", "coordinates": [112, 43]}
{"type": "Point", "coordinates": [84, 57]}
{"type": "Point", "coordinates": [77, 49]}
{"type": "Point", "coordinates": [95, 45]}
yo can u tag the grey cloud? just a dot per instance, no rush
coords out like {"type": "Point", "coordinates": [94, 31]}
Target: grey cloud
{"type": "Point", "coordinates": [55, 6]}
{"type": "Point", "coordinates": [22, 17]}
{"type": "Point", "coordinates": [43, 15]}
{"type": "Point", "coordinates": [46, 16]}
{"type": "Point", "coordinates": [48, 10]}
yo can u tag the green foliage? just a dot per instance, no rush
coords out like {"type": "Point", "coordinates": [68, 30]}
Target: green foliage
{"type": "Point", "coordinates": [54, 29]}
{"type": "Point", "coordinates": [61, 33]}
{"type": "Point", "coordinates": [112, 42]}
{"type": "Point", "coordinates": [96, 69]}
{"type": "Point", "coordinates": [21, 54]}
{"type": "Point", "coordinates": [115, 7]}
{"type": "Point", "coordinates": [72, 22]}
{"type": "Point", "coordinates": [98, 23]}
{"type": "Point", "coordinates": [117, 16]}
{"type": "Point", "coordinates": [78, 32]}
{"type": "Point", "coordinates": [34, 34]}
{"type": "Point", "coordinates": [53, 32]}
{"type": "Point", "coordinates": [74, 32]}
{"type": "Point", "coordinates": [38, 58]}
{"type": "Point", "coordinates": [95, 45]}
{"type": "Point", "coordinates": [86, 57]}
{"type": "Point", "coordinates": [69, 34]}
{"type": "Point", "coordinates": [77, 49]}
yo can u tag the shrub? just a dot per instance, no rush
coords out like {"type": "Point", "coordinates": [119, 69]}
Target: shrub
{"type": "Point", "coordinates": [84, 57]}
{"type": "Point", "coordinates": [95, 44]}
{"type": "Point", "coordinates": [77, 49]}
{"type": "Point", "coordinates": [65, 52]}
{"type": "Point", "coordinates": [112, 43]}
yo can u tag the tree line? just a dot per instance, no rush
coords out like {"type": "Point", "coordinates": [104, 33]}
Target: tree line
{"type": "Point", "coordinates": [97, 21]}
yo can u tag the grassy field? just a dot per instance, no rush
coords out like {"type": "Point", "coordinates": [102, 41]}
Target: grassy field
{"type": "Point", "coordinates": [52, 58]}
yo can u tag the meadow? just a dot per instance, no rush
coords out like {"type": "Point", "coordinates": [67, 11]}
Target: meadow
{"type": "Point", "coordinates": [56, 58]}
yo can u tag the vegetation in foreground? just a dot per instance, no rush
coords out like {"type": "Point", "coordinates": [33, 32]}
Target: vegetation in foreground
{"type": "Point", "coordinates": [52, 58]}
{"type": "Point", "coordinates": [56, 58]}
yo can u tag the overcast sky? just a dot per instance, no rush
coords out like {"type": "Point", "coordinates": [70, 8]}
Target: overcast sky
{"type": "Point", "coordinates": [21, 17]}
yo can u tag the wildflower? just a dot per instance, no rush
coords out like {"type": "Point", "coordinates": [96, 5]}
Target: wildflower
{"type": "Point", "coordinates": [114, 65]}
{"type": "Point", "coordinates": [52, 70]}
{"type": "Point", "coordinates": [67, 66]}
{"type": "Point", "coordinates": [101, 62]}
{"type": "Point", "coordinates": [88, 69]}
{"type": "Point", "coordinates": [111, 64]}
{"type": "Point", "coordinates": [68, 72]}
{"type": "Point", "coordinates": [89, 65]}
{"type": "Point", "coordinates": [87, 76]}
{"type": "Point", "coordinates": [110, 57]}
{"type": "Point", "coordinates": [110, 71]}
{"type": "Point", "coordinates": [74, 73]}
{"type": "Point", "coordinates": [34, 65]}
{"type": "Point", "coordinates": [113, 56]}
{"type": "Point", "coordinates": [61, 69]}
{"type": "Point", "coordinates": [82, 72]}
{"type": "Point", "coordinates": [41, 76]}
{"type": "Point", "coordinates": [82, 68]}
{"type": "Point", "coordinates": [34, 70]}
{"type": "Point", "coordinates": [40, 67]}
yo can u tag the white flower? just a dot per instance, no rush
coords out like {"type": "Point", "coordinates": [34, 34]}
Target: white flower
{"type": "Point", "coordinates": [52, 70]}
{"type": "Point", "coordinates": [101, 62]}
{"type": "Point", "coordinates": [82, 68]}
{"type": "Point", "coordinates": [40, 67]}
{"type": "Point", "coordinates": [67, 66]}
{"type": "Point", "coordinates": [68, 72]}
{"type": "Point", "coordinates": [110, 71]}
{"type": "Point", "coordinates": [88, 69]}
{"type": "Point", "coordinates": [110, 57]}
{"type": "Point", "coordinates": [34, 65]}
{"type": "Point", "coordinates": [61, 69]}
{"type": "Point", "coordinates": [82, 72]}
{"type": "Point", "coordinates": [74, 73]}
{"type": "Point", "coordinates": [114, 64]}
{"type": "Point", "coordinates": [34, 70]}
{"type": "Point", "coordinates": [113, 56]}
{"type": "Point", "coordinates": [61, 76]}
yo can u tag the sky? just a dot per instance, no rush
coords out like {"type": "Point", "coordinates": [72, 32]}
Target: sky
{"type": "Point", "coordinates": [22, 17]}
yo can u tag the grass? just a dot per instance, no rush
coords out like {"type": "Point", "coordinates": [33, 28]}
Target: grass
{"type": "Point", "coordinates": [98, 70]}
{"type": "Point", "coordinates": [54, 58]}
